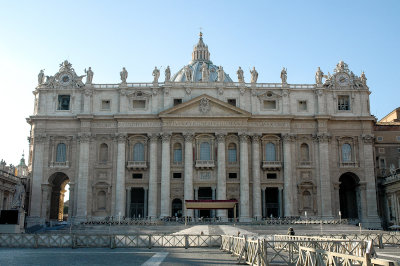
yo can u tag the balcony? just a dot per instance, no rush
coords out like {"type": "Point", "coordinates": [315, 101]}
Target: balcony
{"type": "Point", "coordinates": [272, 165]}
{"type": "Point", "coordinates": [348, 164]}
{"type": "Point", "coordinates": [304, 164]}
{"type": "Point", "coordinates": [59, 164]}
{"type": "Point", "coordinates": [136, 164]}
{"type": "Point", "coordinates": [205, 164]}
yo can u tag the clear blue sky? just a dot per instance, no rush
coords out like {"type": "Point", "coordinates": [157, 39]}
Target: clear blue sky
{"type": "Point", "coordinates": [107, 35]}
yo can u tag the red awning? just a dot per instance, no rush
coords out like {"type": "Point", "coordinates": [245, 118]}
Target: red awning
{"type": "Point", "coordinates": [210, 204]}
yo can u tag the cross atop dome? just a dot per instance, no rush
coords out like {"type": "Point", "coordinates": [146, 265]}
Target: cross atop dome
{"type": "Point", "coordinates": [200, 51]}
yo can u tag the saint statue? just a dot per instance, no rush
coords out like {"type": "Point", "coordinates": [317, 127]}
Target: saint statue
{"type": "Point", "coordinates": [156, 75]}
{"type": "Point", "coordinates": [124, 75]}
{"type": "Point", "coordinates": [240, 75]}
{"type": "Point", "coordinates": [254, 75]}
{"type": "Point", "coordinates": [363, 78]}
{"type": "Point", "coordinates": [188, 73]}
{"type": "Point", "coordinates": [89, 75]}
{"type": "Point", "coordinates": [41, 77]}
{"type": "Point", "coordinates": [19, 197]}
{"type": "Point", "coordinates": [318, 76]}
{"type": "Point", "coordinates": [284, 76]}
{"type": "Point", "coordinates": [167, 74]}
{"type": "Point", "coordinates": [204, 72]}
{"type": "Point", "coordinates": [221, 74]}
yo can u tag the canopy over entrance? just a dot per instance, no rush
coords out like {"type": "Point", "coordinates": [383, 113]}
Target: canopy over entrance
{"type": "Point", "coordinates": [210, 204]}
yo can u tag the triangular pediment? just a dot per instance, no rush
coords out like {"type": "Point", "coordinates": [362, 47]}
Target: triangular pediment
{"type": "Point", "coordinates": [204, 106]}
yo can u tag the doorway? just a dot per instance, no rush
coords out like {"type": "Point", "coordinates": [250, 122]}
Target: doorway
{"type": "Point", "coordinates": [349, 192]}
{"type": "Point", "coordinates": [137, 203]}
{"type": "Point", "coordinates": [205, 193]}
{"type": "Point", "coordinates": [58, 210]}
{"type": "Point", "coordinates": [177, 208]}
{"type": "Point", "coordinates": [272, 202]}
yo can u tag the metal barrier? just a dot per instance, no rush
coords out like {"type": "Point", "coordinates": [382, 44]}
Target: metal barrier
{"type": "Point", "coordinates": [378, 239]}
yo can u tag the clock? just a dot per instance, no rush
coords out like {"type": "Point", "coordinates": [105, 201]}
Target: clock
{"type": "Point", "coordinates": [342, 79]}
{"type": "Point", "coordinates": [65, 79]}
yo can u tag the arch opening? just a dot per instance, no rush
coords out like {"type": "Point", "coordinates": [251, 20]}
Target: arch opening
{"type": "Point", "coordinates": [349, 195]}
{"type": "Point", "coordinates": [59, 192]}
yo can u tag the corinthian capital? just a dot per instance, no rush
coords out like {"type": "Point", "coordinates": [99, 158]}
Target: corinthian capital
{"type": "Point", "coordinates": [188, 136]}
{"type": "Point", "coordinates": [154, 137]}
{"type": "Point", "coordinates": [243, 137]}
{"type": "Point", "coordinates": [84, 137]}
{"type": "Point", "coordinates": [120, 137]}
{"type": "Point", "coordinates": [256, 138]}
{"type": "Point", "coordinates": [322, 137]}
{"type": "Point", "coordinates": [288, 137]}
{"type": "Point", "coordinates": [220, 137]}
{"type": "Point", "coordinates": [368, 138]}
{"type": "Point", "coordinates": [39, 138]}
{"type": "Point", "coordinates": [165, 137]}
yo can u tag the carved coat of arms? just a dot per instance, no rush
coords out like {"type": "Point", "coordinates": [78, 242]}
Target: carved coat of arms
{"type": "Point", "coordinates": [204, 105]}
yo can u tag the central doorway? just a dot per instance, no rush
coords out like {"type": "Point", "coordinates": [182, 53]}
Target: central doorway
{"type": "Point", "coordinates": [58, 182]}
{"type": "Point", "coordinates": [137, 203]}
{"type": "Point", "coordinates": [272, 202]}
{"type": "Point", "coordinates": [205, 193]}
{"type": "Point", "coordinates": [349, 193]}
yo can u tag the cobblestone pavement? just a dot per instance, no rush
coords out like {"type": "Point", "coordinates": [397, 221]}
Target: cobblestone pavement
{"type": "Point", "coordinates": [104, 256]}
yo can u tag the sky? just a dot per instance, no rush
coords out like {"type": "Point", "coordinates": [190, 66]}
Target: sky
{"type": "Point", "coordinates": [108, 35]}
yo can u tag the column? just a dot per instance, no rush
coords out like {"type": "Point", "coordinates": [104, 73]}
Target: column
{"type": "Point", "coordinates": [213, 198]}
{"type": "Point", "coordinates": [244, 179]}
{"type": "Point", "coordinates": [196, 197]}
{"type": "Point", "coordinates": [1, 199]}
{"type": "Point", "coordinates": [46, 200]}
{"type": "Point", "coordinates": [264, 208]}
{"type": "Point", "coordinates": [120, 178]}
{"type": "Point", "coordinates": [71, 200]}
{"type": "Point", "coordinates": [128, 202]}
{"type": "Point", "coordinates": [280, 208]}
{"type": "Point", "coordinates": [256, 177]}
{"type": "Point", "coordinates": [146, 193]}
{"type": "Point", "coordinates": [287, 176]}
{"type": "Point", "coordinates": [83, 175]}
{"type": "Point", "coordinates": [221, 180]}
{"type": "Point", "coordinates": [165, 175]}
{"type": "Point", "coordinates": [188, 181]}
{"type": "Point", "coordinates": [153, 185]}
{"type": "Point", "coordinates": [324, 175]}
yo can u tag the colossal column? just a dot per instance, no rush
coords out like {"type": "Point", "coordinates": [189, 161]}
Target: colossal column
{"type": "Point", "coordinates": [188, 182]}
{"type": "Point", "coordinates": [83, 175]}
{"type": "Point", "coordinates": [244, 179]}
{"type": "Point", "coordinates": [256, 177]}
{"type": "Point", "coordinates": [287, 176]}
{"type": "Point", "coordinates": [153, 189]}
{"type": "Point", "coordinates": [120, 192]}
{"type": "Point", "coordinates": [324, 175]}
{"type": "Point", "coordinates": [221, 180]}
{"type": "Point", "coordinates": [165, 175]}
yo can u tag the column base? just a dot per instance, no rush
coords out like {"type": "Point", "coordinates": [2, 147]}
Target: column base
{"type": "Point", "coordinates": [327, 217]}
{"type": "Point", "coordinates": [258, 218]}
{"type": "Point", "coordinates": [34, 220]}
{"type": "Point", "coordinates": [243, 219]}
{"type": "Point", "coordinates": [372, 222]}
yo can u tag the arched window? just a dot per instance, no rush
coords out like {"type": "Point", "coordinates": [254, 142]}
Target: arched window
{"type": "Point", "coordinates": [232, 153]}
{"type": "Point", "coordinates": [307, 200]}
{"type": "Point", "coordinates": [205, 151]}
{"type": "Point", "coordinates": [61, 153]}
{"type": "Point", "coordinates": [346, 152]}
{"type": "Point", "coordinates": [101, 200]}
{"type": "Point", "coordinates": [177, 153]}
{"type": "Point", "coordinates": [103, 153]}
{"type": "Point", "coordinates": [304, 153]}
{"type": "Point", "coordinates": [270, 154]}
{"type": "Point", "coordinates": [138, 152]}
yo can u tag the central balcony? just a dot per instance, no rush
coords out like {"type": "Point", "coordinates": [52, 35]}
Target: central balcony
{"type": "Point", "coordinates": [59, 164]}
{"type": "Point", "coordinates": [136, 164]}
{"type": "Point", "coordinates": [205, 164]}
{"type": "Point", "coordinates": [272, 165]}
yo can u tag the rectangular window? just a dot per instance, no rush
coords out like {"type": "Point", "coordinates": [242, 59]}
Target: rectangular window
{"type": "Point", "coordinates": [271, 176]}
{"type": "Point", "coordinates": [105, 105]}
{"type": "Point", "coordinates": [232, 102]}
{"type": "Point", "coordinates": [343, 103]}
{"type": "Point", "coordinates": [382, 163]}
{"type": "Point", "coordinates": [398, 138]}
{"type": "Point", "coordinates": [381, 150]}
{"type": "Point", "coordinates": [302, 106]}
{"type": "Point", "coordinates": [232, 175]}
{"type": "Point", "coordinates": [139, 104]}
{"type": "Point", "coordinates": [177, 175]}
{"type": "Point", "coordinates": [379, 138]}
{"type": "Point", "coordinates": [137, 176]}
{"type": "Point", "coordinates": [63, 102]}
{"type": "Point", "coordinates": [177, 101]}
{"type": "Point", "coordinates": [177, 155]}
{"type": "Point", "coordinates": [232, 155]}
{"type": "Point", "coordinates": [269, 105]}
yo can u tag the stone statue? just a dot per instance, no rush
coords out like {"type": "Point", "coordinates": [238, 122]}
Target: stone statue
{"type": "Point", "coordinates": [167, 74]}
{"type": "Point", "coordinates": [240, 75]}
{"type": "Point", "coordinates": [392, 169]}
{"type": "Point", "coordinates": [363, 78]}
{"type": "Point", "coordinates": [205, 73]}
{"type": "Point", "coordinates": [318, 76]}
{"type": "Point", "coordinates": [156, 75]}
{"type": "Point", "coordinates": [284, 76]}
{"type": "Point", "coordinates": [188, 73]}
{"type": "Point", "coordinates": [41, 77]}
{"type": "Point", "coordinates": [89, 75]}
{"type": "Point", "coordinates": [124, 75]}
{"type": "Point", "coordinates": [19, 196]}
{"type": "Point", "coordinates": [254, 75]}
{"type": "Point", "coordinates": [221, 74]}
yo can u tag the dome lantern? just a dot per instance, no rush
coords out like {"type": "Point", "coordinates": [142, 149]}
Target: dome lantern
{"type": "Point", "coordinates": [200, 51]}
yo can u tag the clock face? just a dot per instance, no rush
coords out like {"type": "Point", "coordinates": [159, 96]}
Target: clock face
{"type": "Point", "coordinates": [65, 79]}
{"type": "Point", "coordinates": [342, 79]}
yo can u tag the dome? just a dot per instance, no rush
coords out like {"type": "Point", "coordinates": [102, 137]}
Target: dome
{"type": "Point", "coordinates": [200, 56]}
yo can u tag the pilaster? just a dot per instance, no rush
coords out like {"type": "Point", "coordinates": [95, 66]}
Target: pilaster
{"type": "Point", "coordinates": [120, 177]}
{"type": "Point", "coordinates": [83, 175]}
{"type": "Point", "coordinates": [188, 175]}
{"type": "Point", "coordinates": [165, 175]}
{"type": "Point", "coordinates": [324, 175]}
{"type": "Point", "coordinates": [153, 185]}
{"type": "Point", "coordinates": [244, 178]}
{"type": "Point", "coordinates": [256, 177]}
{"type": "Point", "coordinates": [287, 176]}
{"type": "Point", "coordinates": [221, 181]}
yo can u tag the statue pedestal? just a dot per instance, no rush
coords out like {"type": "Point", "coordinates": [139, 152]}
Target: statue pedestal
{"type": "Point", "coordinates": [21, 219]}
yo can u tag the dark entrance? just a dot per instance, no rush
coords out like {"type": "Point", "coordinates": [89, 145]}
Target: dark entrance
{"type": "Point", "coordinates": [58, 181]}
{"type": "Point", "coordinates": [177, 208]}
{"type": "Point", "coordinates": [137, 203]}
{"type": "Point", "coordinates": [205, 193]}
{"type": "Point", "coordinates": [272, 201]}
{"type": "Point", "coordinates": [231, 213]}
{"type": "Point", "coordinates": [349, 195]}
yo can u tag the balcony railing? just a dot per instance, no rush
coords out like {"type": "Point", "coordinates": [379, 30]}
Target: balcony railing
{"type": "Point", "coordinates": [59, 164]}
{"type": "Point", "coordinates": [271, 164]}
{"type": "Point", "coordinates": [348, 164]}
{"type": "Point", "coordinates": [205, 164]}
{"type": "Point", "coordinates": [136, 164]}
{"type": "Point", "coordinates": [304, 164]}
{"type": "Point", "coordinates": [177, 164]}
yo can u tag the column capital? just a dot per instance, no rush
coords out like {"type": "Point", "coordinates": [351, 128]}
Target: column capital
{"type": "Point", "coordinates": [243, 137]}
{"type": "Point", "coordinates": [165, 137]}
{"type": "Point", "coordinates": [288, 137]}
{"type": "Point", "coordinates": [120, 137]}
{"type": "Point", "coordinates": [188, 136]}
{"type": "Point", "coordinates": [85, 137]}
{"type": "Point", "coordinates": [40, 138]}
{"type": "Point", "coordinates": [220, 137]}
{"type": "Point", "coordinates": [367, 138]}
{"type": "Point", "coordinates": [256, 138]}
{"type": "Point", "coordinates": [154, 137]}
{"type": "Point", "coordinates": [322, 137]}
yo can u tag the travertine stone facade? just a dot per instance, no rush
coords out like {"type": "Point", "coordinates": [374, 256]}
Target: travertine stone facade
{"type": "Point", "coordinates": [142, 149]}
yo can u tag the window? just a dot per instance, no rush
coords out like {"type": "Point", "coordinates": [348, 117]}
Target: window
{"type": "Point", "coordinates": [307, 200]}
{"type": "Point", "coordinates": [343, 103]}
{"type": "Point", "coordinates": [302, 105]}
{"type": "Point", "coordinates": [105, 105]}
{"type": "Point", "coordinates": [381, 150]}
{"type": "Point", "coordinates": [232, 102]}
{"type": "Point", "coordinates": [177, 175]}
{"type": "Point", "coordinates": [232, 154]}
{"type": "Point", "coordinates": [61, 153]}
{"type": "Point", "coordinates": [269, 105]}
{"type": "Point", "coordinates": [205, 151]}
{"type": "Point", "coordinates": [271, 176]}
{"type": "Point", "coordinates": [101, 200]}
{"type": "Point", "coordinates": [177, 153]}
{"type": "Point", "coordinates": [103, 153]}
{"type": "Point", "coordinates": [232, 175]}
{"type": "Point", "coordinates": [139, 104]}
{"type": "Point", "coordinates": [379, 138]}
{"type": "Point", "coordinates": [304, 153]}
{"type": "Point", "coordinates": [398, 138]}
{"type": "Point", "coordinates": [270, 154]}
{"type": "Point", "coordinates": [63, 102]}
{"type": "Point", "coordinates": [382, 163]}
{"type": "Point", "coordinates": [137, 175]}
{"type": "Point", "coordinates": [346, 152]}
{"type": "Point", "coordinates": [177, 101]}
{"type": "Point", "coordinates": [398, 150]}
{"type": "Point", "coordinates": [138, 152]}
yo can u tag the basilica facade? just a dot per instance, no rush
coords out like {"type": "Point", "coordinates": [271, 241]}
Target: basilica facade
{"type": "Point", "coordinates": [141, 149]}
